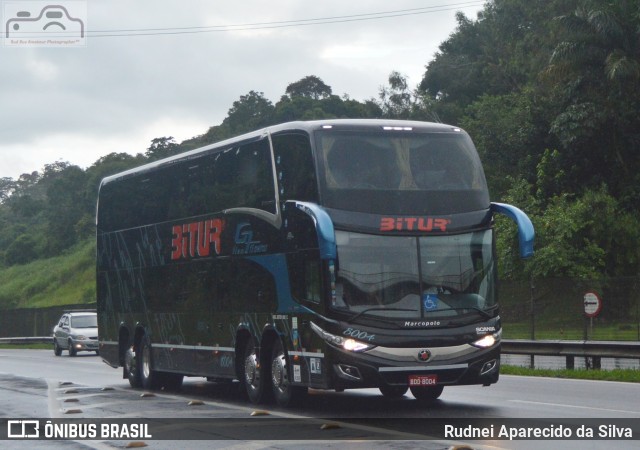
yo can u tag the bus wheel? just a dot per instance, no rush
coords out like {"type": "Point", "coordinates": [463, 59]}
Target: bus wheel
{"type": "Point", "coordinates": [283, 391]}
{"type": "Point", "coordinates": [393, 391]}
{"type": "Point", "coordinates": [426, 393]}
{"type": "Point", "coordinates": [131, 369]}
{"type": "Point", "coordinates": [171, 381]}
{"type": "Point", "coordinates": [252, 373]}
{"type": "Point", "coordinates": [149, 378]}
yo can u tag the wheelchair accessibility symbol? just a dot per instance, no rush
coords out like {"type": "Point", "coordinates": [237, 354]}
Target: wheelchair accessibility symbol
{"type": "Point", "coordinates": [41, 24]}
{"type": "Point", "coordinates": [430, 302]}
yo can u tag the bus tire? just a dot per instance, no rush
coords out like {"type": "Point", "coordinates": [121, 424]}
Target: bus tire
{"type": "Point", "coordinates": [251, 373]}
{"type": "Point", "coordinates": [283, 391]}
{"type": "Point", "coordinates": [131, 368]}
{"type": "Point", "coordinates": [393, 391]}
{"type": "Point", "coordinates": [171, 381]}
{"type": "Point", "coordinates": [426, 393]}
{"type": "Point", "coordinates": [150, 378]}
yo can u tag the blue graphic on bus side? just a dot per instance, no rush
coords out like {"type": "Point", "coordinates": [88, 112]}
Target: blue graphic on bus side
{"type": "Point", "coordinates": [244, 243]}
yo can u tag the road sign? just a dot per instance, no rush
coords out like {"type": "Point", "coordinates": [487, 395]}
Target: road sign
{"type": "Point", "coordinates": [592, 304]}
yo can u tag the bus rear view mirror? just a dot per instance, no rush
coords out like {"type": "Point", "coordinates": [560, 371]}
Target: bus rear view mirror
{"type": "Point", "coordinates": [526, 234]}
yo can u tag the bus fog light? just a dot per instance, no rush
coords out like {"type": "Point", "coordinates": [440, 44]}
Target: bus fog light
{"type": "Point", "coordinates": [489, 366]}
{"type": "Point", "coordinates": [349, 372]}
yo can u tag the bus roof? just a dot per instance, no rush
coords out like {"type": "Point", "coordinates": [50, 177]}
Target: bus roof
{"type": "Point", "coordinates": [308, 126]}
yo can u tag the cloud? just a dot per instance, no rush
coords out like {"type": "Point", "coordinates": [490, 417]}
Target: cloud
{"type": "Point", "coordinates": [118, 92]}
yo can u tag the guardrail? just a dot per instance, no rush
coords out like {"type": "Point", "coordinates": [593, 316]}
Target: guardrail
{"type": "Point", "coordinates": [593, 350]}
{"type": "Point", "coordinates": [27, 340]}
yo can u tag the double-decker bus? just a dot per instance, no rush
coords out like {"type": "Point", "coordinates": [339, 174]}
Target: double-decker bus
{"type": "Point", "coordinates": [332, 254]}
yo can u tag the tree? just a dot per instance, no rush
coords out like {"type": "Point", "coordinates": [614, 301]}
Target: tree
{"type": "Point", "coordinates": [250, 112]}
{"type": "Point", "coordinates": [585, 237]}
{"type": "Point", "coordinates": [594, 71]}
{"type": "Point", "coordinates": [109, 165]}
{"type": "Point", "coordinates": [27, 182]}
{"type": "Point", "coordinates": [22, 250]}
{"type": "Point", "coordinates": [511, 133]}
{"type": "Point", "coordinates": [397, 101]}
{"type": "Point", "coordinates": [396, 98]}
{"type": "Point", "coordinates": [501, 52]}
{"type": "Point", "coordinates": [601, 36]}
{"type": "Point", "coordinates": [7, 187]}
{"type": "Point", "coordinates": [66, 204]}
{"type": "Point", "coordinates": [310, 87]}
{"type": "Point", "coordinates": [162, 147]}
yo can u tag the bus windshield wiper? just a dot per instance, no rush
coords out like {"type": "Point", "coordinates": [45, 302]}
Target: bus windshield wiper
{"type": "Point", "coordinates": [352, 318]}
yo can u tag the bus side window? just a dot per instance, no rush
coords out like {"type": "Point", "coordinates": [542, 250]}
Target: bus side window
{"type": "Point", "coordinates": [244, 177]}
{"type": "Point", "coordinates": [225, 170]}
{"type": "Point", "coordinates": [199, 190]}
{"type": "Point", "coordinates": [255, 176]}
{"type": "Point", "coordinates": [295, 170]}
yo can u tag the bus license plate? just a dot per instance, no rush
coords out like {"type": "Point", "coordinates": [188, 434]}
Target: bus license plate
{"type": "Point", "coordinates": [423, 380]}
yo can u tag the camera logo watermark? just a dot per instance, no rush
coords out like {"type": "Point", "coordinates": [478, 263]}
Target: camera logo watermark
{"type": "Point", "coordinates": [55, 23]}
{"type": "Point", "coordinates": [23, 429]}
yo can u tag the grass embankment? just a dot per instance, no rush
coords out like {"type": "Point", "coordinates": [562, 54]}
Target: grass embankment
{"type": "Point", "coordinates": [63, 280]}
{"type": "Point", "coordinates": [627, 375]}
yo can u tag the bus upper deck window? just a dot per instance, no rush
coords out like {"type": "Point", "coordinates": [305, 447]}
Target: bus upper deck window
{"type": "Point", "coordinates": [439, 167]}
{"type": "Point", "coordinates": [358, 164]}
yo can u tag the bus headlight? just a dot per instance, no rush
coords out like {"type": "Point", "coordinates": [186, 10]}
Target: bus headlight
{"type": "Point", "coordinates": [488, 341]}
{"type": "Point", "coordinates": [355, 346]}
{"type": "Point", "coordinates": [338, 341]}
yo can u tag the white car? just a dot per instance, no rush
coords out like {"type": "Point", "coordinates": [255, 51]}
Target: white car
{"type": "Point", "coordinates": [76, 331]}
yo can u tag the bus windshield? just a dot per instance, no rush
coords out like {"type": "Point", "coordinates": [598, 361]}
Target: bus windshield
{"type": "Point", "coordinates": [391, 172]}
{"type": "Point", "coordinates": [408, 277]}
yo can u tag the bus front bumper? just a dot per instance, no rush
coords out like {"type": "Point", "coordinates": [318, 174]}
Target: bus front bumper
{"type": "Point", "coordinates": [456, 365]}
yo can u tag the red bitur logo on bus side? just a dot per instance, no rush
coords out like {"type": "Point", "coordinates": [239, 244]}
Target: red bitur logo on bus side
{"type": "Point", "coordinates": [413, 224]}
{"type": "Point", "coordinates": [195, 239]}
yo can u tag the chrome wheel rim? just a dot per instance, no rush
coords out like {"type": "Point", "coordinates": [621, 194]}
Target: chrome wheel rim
{"type": "Point", "coordinates": [145, 361]}
{"type": "Point", "coordinates": [279, 372]}
{"type": "Point", "coordinates": [251, 372]}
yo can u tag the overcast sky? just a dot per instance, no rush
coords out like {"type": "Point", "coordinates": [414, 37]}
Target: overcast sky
{"type": "Point", "coordinates": [120, 90]}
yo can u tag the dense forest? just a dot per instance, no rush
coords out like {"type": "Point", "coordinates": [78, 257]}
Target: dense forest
{"type": "Point", "coordinates": [548, 90]}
